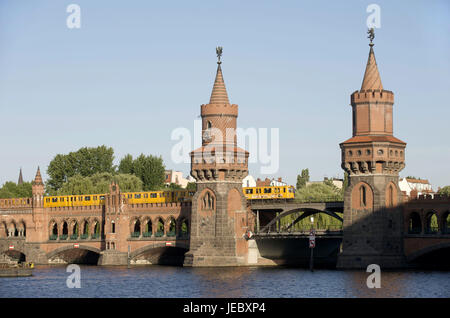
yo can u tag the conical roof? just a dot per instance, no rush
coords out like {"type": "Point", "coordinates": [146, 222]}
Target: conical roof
{"type": "Point", "coordinates": [38, 178]}
{"type": "Point", "coordinates": [20, 181]}
{"type": "Point", "coordinates": [219, 93]}
{"type": "Point", "coordinates": [372, 79]}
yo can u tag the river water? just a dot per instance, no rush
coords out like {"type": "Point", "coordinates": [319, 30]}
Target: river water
{"type": "Point", "coordinates": [168, 281]}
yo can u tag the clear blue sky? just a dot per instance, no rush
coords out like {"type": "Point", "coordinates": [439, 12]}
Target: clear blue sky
{"type": "Point", "coordinates": [136, 70]}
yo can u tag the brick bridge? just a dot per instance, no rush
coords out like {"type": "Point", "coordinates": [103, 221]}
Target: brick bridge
{"type": "Point", "coordinates": [104, 234]}
{"type": "Point", "coordinates": [379, 225]}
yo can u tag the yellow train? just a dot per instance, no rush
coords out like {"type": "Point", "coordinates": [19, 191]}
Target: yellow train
{"type": "Point", "coordinates": [267, 193]}
{"type": "Point", "coordinates": [251, 193]}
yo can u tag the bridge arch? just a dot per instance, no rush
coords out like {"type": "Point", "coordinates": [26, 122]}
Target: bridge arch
{"type": "Point", "coordinates": [84, 254]}
{"type": "Point", "coordinates": [437, 255]}
{"type": "Point", "coordinates": [160, 253]}
{"type": "Point", "coordinates": [306, 213]}
{"type": "Point", "coordinates": [445, 222]}
{"type": "Point", "coordinates": [431, 222]}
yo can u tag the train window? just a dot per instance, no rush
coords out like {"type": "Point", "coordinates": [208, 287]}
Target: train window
{"type": "Point", "coordinates": [249, 191]}
{"type": "Point", "coordinates": [94, 198]}
{"type": "Point", "coordinates": [153, 195]}
{"type": "Point", "coordinates": [130, 196]}
{"type": "Point", "coordinates": [47, 200]}
{"type": "Point", "coordinates": [146, 195]}
{"type": "Point", "coordinates": [284, 190]}
{"type": "Point", "coordinates": [267, 190]}
{"type": "Point", "coordinates": [102, 197]}
{"type": "Point", "coordinates": [87, 198]}
{"type": "Point", "coordinates": [61, 199]}
{"type": "Point", "coordinates": [80, 198]}
{"type": "Point", "coordinates": [291, 190]}
{"type": "Point", "coordinates": [137, 196]}
{"type": "Point", "coordinates": [54, 199]}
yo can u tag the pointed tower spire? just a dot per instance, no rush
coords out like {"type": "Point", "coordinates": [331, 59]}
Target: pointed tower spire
{"type": "Point", "coordinates": [219, 93]}
{"type": "Point", "coordinates": [20, 181]}
{"type": "Point", "coordinates": [372, 79]}
{"type": "Point", "coordinates": [38, 178]}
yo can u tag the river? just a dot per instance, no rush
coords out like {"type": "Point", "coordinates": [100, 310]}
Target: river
{"type": "Point", "coordinates": [253, 282]}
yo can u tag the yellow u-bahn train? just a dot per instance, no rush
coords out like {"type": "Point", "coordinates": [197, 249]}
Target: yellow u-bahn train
{"type": "Point", "coordinates": [251, 193]}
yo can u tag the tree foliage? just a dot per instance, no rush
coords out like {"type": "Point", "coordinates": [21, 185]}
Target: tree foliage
{"type": "Point", "coordinates": [445, 191]}
{"type": "Point", "coordinates": [318, 192]}
{"type": "Point", "coordinates": [302, 178]}
{"type": "Point", "coordinates": [12, 190]}
{"type": "Point", "coordinates": [99, 183]}
{"type": "Point", "coordinates": [150, 169]}
{"type": "Point", "coordinates": [191, 186]}
{"type": "Point", "coordinates": [84, 162]}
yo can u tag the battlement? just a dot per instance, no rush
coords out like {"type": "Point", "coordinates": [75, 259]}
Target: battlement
{"type": "Point", "coordinates": [428, 198]}
{"type": "Point", "coordinates": [218, 109]}
{"type": "Point", "coordinates": [370, 96]}
{"type": "Point", "coordinates": [75, 208]}
{"type": "Point", "coordinates": [16, 203]}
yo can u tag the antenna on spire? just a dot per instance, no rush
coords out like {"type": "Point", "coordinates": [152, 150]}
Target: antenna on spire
{"type": "Point", "coordinates": [219, 50]}
{"type": "Point", "coordinates": [371, 33]}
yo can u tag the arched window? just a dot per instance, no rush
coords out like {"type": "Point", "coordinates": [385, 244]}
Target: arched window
{"type": "Point", "coordinates": [208, 201]}
{"type": "Point", "coordinates": [446, 223]}
{"type": "Point", "coordinates": [363, 196]}
{"type": "Point", "coordinates": [208, 125]}
{"type": "Point", "coordinates": [415, 224]}
{"type": "Point", "coordinates": [113, 227]}
{"type": "Point", "coordinates": [432, 226]}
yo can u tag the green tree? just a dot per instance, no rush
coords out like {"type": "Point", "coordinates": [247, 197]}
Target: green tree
{"type": "Point", "coordinates": [12, 190]}
{"type": "Point", "coordinates": [174, 186]}
{"type": "Point", "coordinates": [126, 165]}
{"type": "Point", "coordinates": [302, 178]}
{"type": "Point", "coordinates": [84, 162]}
{"type": "Point", "coordinates": [191, 186]}
{"type": "Point", "coordinates": [151, 170]}
{"type": "Point", "coordinates": [445, 191]}
{"type": "Point", "coordinates": [318, 192]}
{"type": "Point", "coordinates": [99, 183]}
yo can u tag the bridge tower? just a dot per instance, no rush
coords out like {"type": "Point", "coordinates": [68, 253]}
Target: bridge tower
{"type": "Point", "coordinates": [219, 212]}
{"type": "Point", "coordinates": [40, 220]}
{"type": "Point", "coordinates": [373, 158]}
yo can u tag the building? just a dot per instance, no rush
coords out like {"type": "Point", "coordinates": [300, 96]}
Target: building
{"type": "Point", "coordinates": [249, 181]}
{"type": "Point", "coordinates": [270, 182]}
{"type": "Point", "coordinates": [416, 186]}
{"type": "Point", "coordinates": [172, 176]}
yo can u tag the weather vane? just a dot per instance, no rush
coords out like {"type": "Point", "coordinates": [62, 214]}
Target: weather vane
{"type": "Point", "coordinates": [371, 36]}
{"type": "Point", "coordinates": [219, 50]}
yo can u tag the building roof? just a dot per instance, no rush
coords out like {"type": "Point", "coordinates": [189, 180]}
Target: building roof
{"type": "Point", "coordinates": [38, 178]}
{"type": "Point", "coordinates": [20, 181]}
{"type": "Point", "coordinates": [417, 181]}
{"type": "Point", "coordinates": [372, 79]}
{"type": "Point", "coordinates": [388, 138]}
{"type": "Point", "coordinates": [219, 93]}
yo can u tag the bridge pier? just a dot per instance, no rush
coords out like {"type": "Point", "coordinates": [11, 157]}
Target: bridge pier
{"type": "Point", "coordinates": [112, 257]}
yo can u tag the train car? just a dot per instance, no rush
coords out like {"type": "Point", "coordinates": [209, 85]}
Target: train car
{"type": "Point", "coordinates": [267, 193]}
{"type": "Point", "coordinates": [74, 200]}
{"type": "Point", "coordinates": [173, 196]}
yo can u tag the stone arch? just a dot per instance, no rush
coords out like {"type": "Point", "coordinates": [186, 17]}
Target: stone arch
{"type": "Point", "coordinates": [21, 228]}
{"type": "Point", "coordinates": [12, 228]}
{"type": "Point", "coordinates": [391, 195]}
{"type": "Point", "coordinates": [427, 250]}
{"type": "Point", "coordinates": [74, 228]}
{"type": "Point", "coordinates": [159, 226]}
{"type": "Point", "coordinates": [53, 228]}
{"type": "Point", "coordinates": [136, 227]}
{"type": "Point", "coordinates": [3, 229]}
{"type": "Point", "coordinates": [183, 227]}
{"type": "Point", "coordinates": [65, 228]}
{"type": "Point", "coordinates": [207, 200]}
{"type": "Point", "coordinates": [362, 196]}
{"type": "Point", "coordinates": [96, 229]}
{"type": "Point", "coordinates": [85, 225]}
{"type": "Point", "coordinates": [431, 222]}
{"type": "Point", "coordinates": [234, 202]}
{"type": "Point", "coordinates": [414, 223]}
{"type": "Point", "coordinates": [147, 229]}
{"type": "Point", "coordinates": [70, 254]}
{"type": "Point", "coordinates": [171, 226]}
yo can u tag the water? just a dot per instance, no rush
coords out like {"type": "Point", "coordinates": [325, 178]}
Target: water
{"type": "Point", "coordinates": [167, 281]}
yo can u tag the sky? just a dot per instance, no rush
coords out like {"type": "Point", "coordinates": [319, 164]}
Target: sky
{"type": "Point", "coordinates": [137, 70]}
